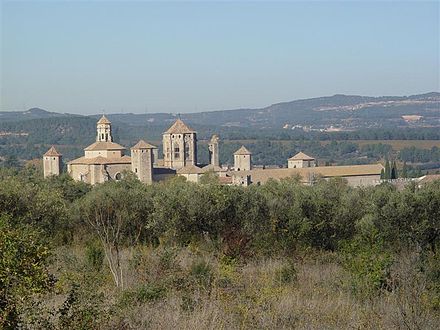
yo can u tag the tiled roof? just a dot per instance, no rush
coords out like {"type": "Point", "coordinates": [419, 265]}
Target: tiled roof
{"type": "Point", "coordinates": [104, 120]}
{"type": "Point", "coordinates": [260, 175]}
{"type": "Point", "coordinates": [429, 178]}
{"type": "Point", "coordinates": [52, 152]}
{"type": "Point", "coordinates": [179, 127]}
{"type": "Point", "coordinates": [101, 160]}
{"type": "Point", "coordinates": [143, 145]}
{"type": "Point", "coordinates": [101, 145]}
{"type": "Point", "coordinates": [211, 167]}
{"type": "Point", "coordinates": [189, 169]}
{"type": "Point", "coordinates": [301, 156]}
{"type": "Point", "coordinates": [242, 151]}
{"type": "Point", "coordinates": [225, 179]}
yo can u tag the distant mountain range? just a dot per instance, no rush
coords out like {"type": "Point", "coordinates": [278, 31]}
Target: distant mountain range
{"type": "Point", "coordinates": [337, 112]}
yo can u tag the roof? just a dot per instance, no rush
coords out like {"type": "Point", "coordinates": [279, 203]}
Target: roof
{"type": "Point", "coordinates": [101, 160]}
{"type": "Point", "coordinates": [179, 127]}
{"type": "Point", "coordinates": [242, 151]}
{"type": "Point", "coordinates": [211, 167]}
{"type": "Point", "coordinates": [260, 175]}
{"type": "Point", "coordinates": [429, 178]}
{"type": "Point", "coordinates": [104, 120]}
{"type": "Point", "coordinates": [102, 145]}
{"type": "Point", "coordinates": [225, 179]}
{"type": "Point", "coordinates": [301, 156]}
{"type": "Point", "coordinates": [52, 152]}
{"type": "Point", "coordinates": [190, 169]}
{"type": "Point", "coordinates": [143, 145]}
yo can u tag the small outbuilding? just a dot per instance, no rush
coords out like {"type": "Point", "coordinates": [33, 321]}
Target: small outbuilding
{"type": "Point", "coordinates": [301, 160]}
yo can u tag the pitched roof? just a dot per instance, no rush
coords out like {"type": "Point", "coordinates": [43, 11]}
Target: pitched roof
{"type": "Point", "coordinates": [190, 169]}
{"type": "Point", "coordinates": [260, 175]}
{"type": "Point", "coordinates": [52, 152]}
{"type": "Point", "coordinates": [211, 167]}
{"type": "Point", "coordinates": [242, 151]}
{"type": "Point", "coordinates": [101, 145]}
{"type": "Point", "coordinates": [301, 156]}
{"type": "Point", "coordinates": [101, 160]}
{"type": "Point", "coordinates": [429, 178]}
{"type": "Point", "coordinates": [225, 179]}
{"type": "Point", "coordinates": [179, 127]}
{"type": "Point", "coordinates": [143, 145]}
{"type": "Point", "coordinates": [104, 120]}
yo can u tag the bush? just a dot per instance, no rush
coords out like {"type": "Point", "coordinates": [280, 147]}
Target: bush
{"type": "Point", "coordinates": [94, 255]}
{"type": "Point", "coordinates": [286, 274]}
{"type": "Point", "coordinates": [201, 272]}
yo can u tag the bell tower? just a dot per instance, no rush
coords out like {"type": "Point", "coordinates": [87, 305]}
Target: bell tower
{"type": "Point", "coordinates": [104, 130]}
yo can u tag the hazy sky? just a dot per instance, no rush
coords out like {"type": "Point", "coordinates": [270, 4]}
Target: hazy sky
{"type": "Point", "coordinates": [90, 56]}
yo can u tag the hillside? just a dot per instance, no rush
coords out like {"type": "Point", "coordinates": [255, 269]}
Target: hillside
{"type": "Point", "coordinates": [337, 112]}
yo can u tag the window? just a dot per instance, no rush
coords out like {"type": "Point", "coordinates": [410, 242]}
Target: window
{"type": "Point", "coordinates": [102, 136]}
{"type": "Point", "coordinates": [135, 170]}
{"type": "Point", "coordinates": [106, 136]}
{"type": "Point", "coordinates": [187, 151]}
{"type": "Point", "coordinates": [176, 152]}
{"type": "Point", "coordinates": [118, 176]}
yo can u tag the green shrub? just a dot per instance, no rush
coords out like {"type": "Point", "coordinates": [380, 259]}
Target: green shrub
{"type": "Point", "coordinates": [286, 274]}
{"type": "Point", "coordinates": [201, 272]}
{"type": "Point", "coordinates": [369, 266]}
{"type": "Point", "coordinates": [94, 255]}
{"type": "Point", "coordinates": [143, 294]}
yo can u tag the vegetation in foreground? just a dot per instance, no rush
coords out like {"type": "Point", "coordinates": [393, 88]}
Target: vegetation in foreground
{"type": "Point", "coordinates": [124, 255]}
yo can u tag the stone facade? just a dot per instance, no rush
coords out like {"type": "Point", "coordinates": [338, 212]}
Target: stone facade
{"type": "Point", "coordinates": [105, 160]}
{"type": "Point", "coordinates": [214, 151]}
{"type": "Point", "coordinates": [242, 159]}
{"type": "Point", "coordinates": [179, 146]}
{"type": "Point", "coordinates": [52, 162]}
{"type": "Point", "coordinates": [301, 160]}
{"type": "Point", "coordinates": [142, 161]}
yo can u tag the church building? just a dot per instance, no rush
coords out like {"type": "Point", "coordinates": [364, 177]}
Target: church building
{"type": "Point", "coordinates": [106, 160]}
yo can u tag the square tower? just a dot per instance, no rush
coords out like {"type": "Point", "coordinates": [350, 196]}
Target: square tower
{"type": "Point", "coordinates": [142, 161]}
{"type": "Point", "coordinates": [51, 162]}
{"type": "Point", "coordinates": [179, 146]}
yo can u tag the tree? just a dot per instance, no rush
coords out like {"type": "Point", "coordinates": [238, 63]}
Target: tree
{"type": "Point", "coordinates": [387, 174]}
{"type": "Point", "coordinates": [118, 213]}
{"type": "Point", "coordinates": [23, 270]}
{"type": "Point", "coordinates": [393, 174]}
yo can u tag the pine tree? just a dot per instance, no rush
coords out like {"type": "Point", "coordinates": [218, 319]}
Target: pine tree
{"type": "Point", "coordinates": [382, 174]}
{"type": "Point", "coordinates": [393, 174]}
{"type": "Point", "coordinates": [387, 170]}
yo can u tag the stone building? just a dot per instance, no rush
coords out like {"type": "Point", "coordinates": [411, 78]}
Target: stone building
{"type": "Point", "coordinates": [179, 146]}
{"type": "Point", "coordinates": [301, 160]}
{"type": "Point", "coordinates": [242, 159]}
{"type": "Point", "coordinates": [214, 151]}
{"type": "Point", "coordinates": [52, 162]}
{"type": "Point", "coordinates": [142, 161]}
{"type": "Point", "coordinates": [105, 160]}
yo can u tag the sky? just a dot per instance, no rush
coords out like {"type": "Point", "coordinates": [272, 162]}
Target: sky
{"type": "Point", "coordinates": [91, 57]}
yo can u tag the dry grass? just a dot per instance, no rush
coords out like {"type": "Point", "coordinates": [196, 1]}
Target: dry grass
{"type": "Point", "coordinates": [253, 295]}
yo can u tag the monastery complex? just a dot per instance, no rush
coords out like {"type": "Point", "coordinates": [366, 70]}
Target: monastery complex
{"type": "Point", "coordinates": [106, 160]}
